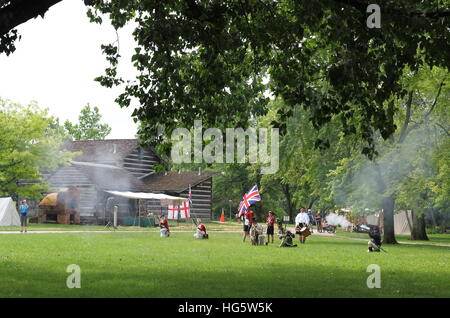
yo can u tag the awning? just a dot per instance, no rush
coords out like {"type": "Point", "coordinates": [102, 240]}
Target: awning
{"type": "Point", "coordinates": [164, 198]}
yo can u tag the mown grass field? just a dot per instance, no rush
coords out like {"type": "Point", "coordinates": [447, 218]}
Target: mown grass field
{"type": "Point", "coordinates": [215, 226]}
{"type": "Point", "coordinates": [142, 264]}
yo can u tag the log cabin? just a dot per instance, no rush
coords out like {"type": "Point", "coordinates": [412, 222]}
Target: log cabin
{"type": "Point", "coordinates": [124, 165]}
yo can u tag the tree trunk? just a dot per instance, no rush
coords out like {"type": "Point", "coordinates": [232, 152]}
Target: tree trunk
{"type": "Point", "coordinates": [443, 225]}
{"type": "Point", "coordinates": [418, 227]}
{"type": "Point", "coordinates": [388, 220]}
{"type": "Point", "coordinates": [433, 218]}
{"type": "Point", "coordinates": [313, 200]}
{"type": "Point", "coordinates": [287, 194]}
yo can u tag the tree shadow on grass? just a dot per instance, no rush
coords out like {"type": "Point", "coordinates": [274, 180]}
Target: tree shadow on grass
{"type": "Point", "coordinates": [286, 281]}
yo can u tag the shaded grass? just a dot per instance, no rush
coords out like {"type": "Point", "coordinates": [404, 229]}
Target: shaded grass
{"type": "Point", "coordinates": [145, 265]}
{"type": "Point", "coordinates": [433, 238]}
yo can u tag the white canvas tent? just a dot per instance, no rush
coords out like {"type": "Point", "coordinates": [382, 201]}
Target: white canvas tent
{"type": "Point", "coordinates": [401, 224]}
{"type": "Point", "coordinates": [8, 213]}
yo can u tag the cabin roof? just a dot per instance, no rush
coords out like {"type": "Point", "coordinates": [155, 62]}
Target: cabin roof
{"type": "Point", "coordinates": [176, 181]}
{"type": "Point", "coordinates": [104, 150]}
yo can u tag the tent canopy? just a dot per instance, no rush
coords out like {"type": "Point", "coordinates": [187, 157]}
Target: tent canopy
{"type": "Point", "coordinates": [164, 198]}
{"type": "Point", "coordinates": [8, 213]}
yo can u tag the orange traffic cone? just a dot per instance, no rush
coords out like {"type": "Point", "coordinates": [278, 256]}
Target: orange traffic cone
{"type": "Point", "coordinates": [222, 218]}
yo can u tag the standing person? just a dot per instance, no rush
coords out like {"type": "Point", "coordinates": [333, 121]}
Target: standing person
{"type": "Point", "coordinates": [301, 222]}
{"type": "Point", "coordinates": [23, 216]}
{"type": "Point", "coordinates": [248, 221]}
{"type": "Point", "coordinates": [270, 222]}
{"type": "Point", "coordinates": [318, 219]}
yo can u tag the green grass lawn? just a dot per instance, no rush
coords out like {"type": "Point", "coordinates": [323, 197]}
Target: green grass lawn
{"type": "Point", "coordinates": [216, 226]}
{"type": "Point", "coordinates": [144, 265]}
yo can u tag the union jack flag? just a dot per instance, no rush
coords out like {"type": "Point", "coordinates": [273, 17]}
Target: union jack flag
{"type": "Point", "coordinates": [249, 198]}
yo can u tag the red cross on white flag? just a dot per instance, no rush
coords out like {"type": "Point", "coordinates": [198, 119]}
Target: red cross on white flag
{"type": "Point", "coordinates": [185, 210]}
{"type": "Point", "coordinates": [172, 212]}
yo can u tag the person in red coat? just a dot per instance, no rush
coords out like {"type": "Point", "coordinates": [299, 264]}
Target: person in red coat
{"type": "Point", "coordinates": [248, 221]}
{"type": "Point", "coordinates": [270, 222]}
{"type": "Point", "coordinates": [164, 226]}
{"type": "Point", "coordinates": [200, 232]}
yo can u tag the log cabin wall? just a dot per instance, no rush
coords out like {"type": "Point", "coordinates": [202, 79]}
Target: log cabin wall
{"type": "Point", "coordinates": [140, 162]}
{"type": "Point", "coordinates": [72, 176]}
{"type": "Point", "coordinates": [136, 173]}
{"type": "Point", "coordinates": [152, 206]}
{"type": "Point", "coordinates": [201, 200]}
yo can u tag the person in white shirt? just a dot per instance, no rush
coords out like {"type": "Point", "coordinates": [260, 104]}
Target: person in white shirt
{"type": "Point", "coordinates": [302, 221]}
{"type": "Point", "coordinates": [302, 218]}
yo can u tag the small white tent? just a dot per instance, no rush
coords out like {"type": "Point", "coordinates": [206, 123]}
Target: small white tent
{"type": "Point", "coordinates": [8, 213]}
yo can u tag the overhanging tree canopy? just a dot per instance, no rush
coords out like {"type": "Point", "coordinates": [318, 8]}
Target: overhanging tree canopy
{"type": "Point", "coordinates": [208, 59]}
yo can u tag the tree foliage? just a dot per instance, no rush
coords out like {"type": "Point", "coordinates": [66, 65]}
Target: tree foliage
{"type": "Point", "coordinates": [402, 175]}
{"type": "Point", "coordinates": [14, 13]}
{"type": "Point", "coordinates": [208, 59]}
{"type": "Point", "coordinates": [89, 126]}
{"type": "Point", "coordinates": [28, 146]}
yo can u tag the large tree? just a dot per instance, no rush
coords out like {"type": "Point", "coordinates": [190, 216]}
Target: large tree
{"type": "Point", "coordinates": [28, 146]}
{"type": "Point", "coordinates": [422, 118]}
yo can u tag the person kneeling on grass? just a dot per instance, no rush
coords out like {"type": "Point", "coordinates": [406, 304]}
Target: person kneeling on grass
{"type": "Point", "coordinates": [256, 234]}
{"type": "Point", "coordinates": [164, 227]}
{"type": "Point", "coordinates": [375, 243]}
{"type": "Point", "coordinates": [286, 240]}
{"type": "Point", "coordinates": [200, 232]}
{"type": "Point", "coordinates": [281, 229]}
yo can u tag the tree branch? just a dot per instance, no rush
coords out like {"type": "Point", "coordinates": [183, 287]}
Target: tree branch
{"type": "Point", "coordinates": [20, 11]}
{"type": "Point", "coordinates": [7, 182]}
{"type": "Point", "coordinates": [403, 132]}
{"type": "Point", "coordinates": [11, 164]}
{"type": "Point", "coordinates": [436, 98]}
{"type": "Point", "coordinates": [443, 128]}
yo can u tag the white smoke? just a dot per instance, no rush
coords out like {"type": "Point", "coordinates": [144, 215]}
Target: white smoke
{"type": "Point", "coordinates": [335, 219]}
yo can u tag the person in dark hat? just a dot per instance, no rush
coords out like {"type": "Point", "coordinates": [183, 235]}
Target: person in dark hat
{"type": "Point", "coordinates": [375, 242]}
